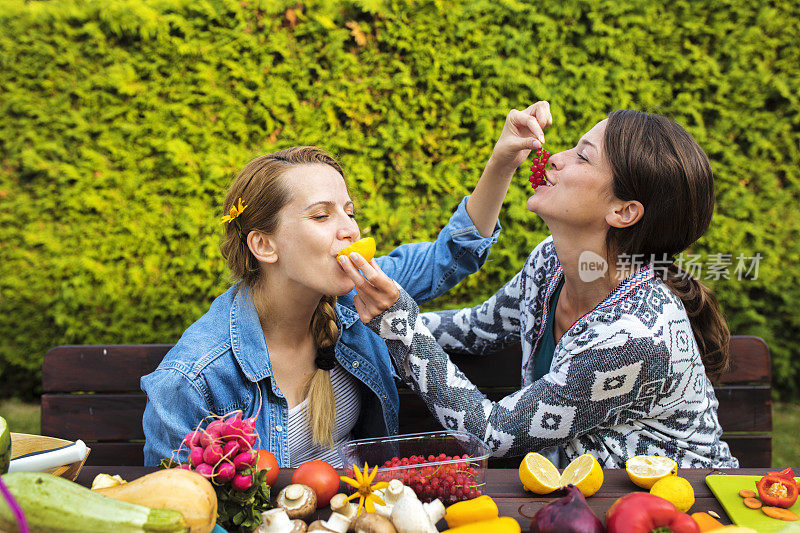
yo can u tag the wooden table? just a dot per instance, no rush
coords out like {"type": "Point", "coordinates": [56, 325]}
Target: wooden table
{"type": "Point", "coordinates": [504, 486]}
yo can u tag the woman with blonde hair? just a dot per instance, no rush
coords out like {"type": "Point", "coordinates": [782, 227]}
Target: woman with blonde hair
{"type": "Point", "coordinates": [616, 359]}
{"type": "Point", "coordinates": [284, 343]}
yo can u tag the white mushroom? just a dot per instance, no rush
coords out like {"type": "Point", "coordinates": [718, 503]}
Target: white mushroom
{"type": "Point", "coordinates": [435, 511]}
{"type": "Point", "coordinates": [340, 505]}
{"type": "Point", "coordinates": [275, 521]}
{"type": "Point", "coordinates": [336, 523]}
{"type": "Point", "coordinates": [373, 523]}
{"type": "Point", "coordinates": [298, 526]}
{"type": "Point", "coordinates": [298, 500]}
{"type": "Point", "coordinates": [391, 495]}
{"type": "Point", "coordinates": [409, 515]}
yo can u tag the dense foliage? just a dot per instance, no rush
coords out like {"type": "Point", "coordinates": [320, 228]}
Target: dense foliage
{"type": "Point", "coordinates": [123, 123]}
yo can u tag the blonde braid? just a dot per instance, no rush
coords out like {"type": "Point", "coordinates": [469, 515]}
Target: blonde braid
{"type": "Point", "coordinates": [322, 404]}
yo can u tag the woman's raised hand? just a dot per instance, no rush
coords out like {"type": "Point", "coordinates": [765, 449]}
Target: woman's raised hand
{"type": "Point", "coordinates": [522, 132]}
{"type": "Point", "coordinates": [375, 291]}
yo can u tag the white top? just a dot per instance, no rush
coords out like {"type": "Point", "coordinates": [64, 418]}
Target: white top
{"type": "Point", "coordinates": [347, 398]}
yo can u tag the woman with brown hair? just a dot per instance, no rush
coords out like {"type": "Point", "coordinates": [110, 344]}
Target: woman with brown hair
{"type": "Point", "coordinates": [616, 356]}
{"type": "Point", "coordinates": [284, 343]}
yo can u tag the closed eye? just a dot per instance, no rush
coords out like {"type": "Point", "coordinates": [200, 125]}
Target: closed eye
{"type": "Point", "coordinates": [581, 157]}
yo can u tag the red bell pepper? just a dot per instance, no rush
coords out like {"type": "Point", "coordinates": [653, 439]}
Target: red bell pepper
{"type": "Point", "coordinates": [787, 474]}
{"type": "Point", "coordinates": [641, 512]}
{"type": "Point", "coordinates": [778, 489]}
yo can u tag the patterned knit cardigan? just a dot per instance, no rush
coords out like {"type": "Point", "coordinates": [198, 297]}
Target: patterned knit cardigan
{"type": "Point", "coordinates": [626, 378]}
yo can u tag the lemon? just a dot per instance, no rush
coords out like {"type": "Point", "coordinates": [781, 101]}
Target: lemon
{"type": "Point", "coordinates": [5, 446]}
{"type": "Point", "coordinates": [365, 248]}
{"type": "Point", "coordinates": [675, 489]}
{"type": "Point", "coordinates": [538, 474]}
{"type": "Point", "coordinates": [585, 473]}
{"type": "Point", "coordinates": [645, 470]}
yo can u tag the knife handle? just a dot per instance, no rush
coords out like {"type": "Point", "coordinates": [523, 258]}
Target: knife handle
{"type": "Point", "coordinates": [47, 459]}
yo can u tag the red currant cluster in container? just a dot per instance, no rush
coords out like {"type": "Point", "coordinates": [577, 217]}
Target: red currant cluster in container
{"type": "Point", "coordinates": [538, 178]}
{"type": "Point", "coordinates": [449, 478]}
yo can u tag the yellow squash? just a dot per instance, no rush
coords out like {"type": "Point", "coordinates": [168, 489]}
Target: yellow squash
{"type": "Point", "coordinates": [180, 490]}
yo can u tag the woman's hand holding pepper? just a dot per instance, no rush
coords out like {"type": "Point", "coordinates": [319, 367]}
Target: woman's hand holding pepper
{"type": "Point", "coordinates": [375, 291]}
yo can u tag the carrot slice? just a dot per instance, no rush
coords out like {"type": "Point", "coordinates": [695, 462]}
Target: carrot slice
{"type": "Point", "coordinates": [744, 493]}
{"type": "Point", "coordinates": [706, 522]}
{"type": "Point", "coordinates": [752, 503]}
{"type": "Point", "coordinates": [779, 513]}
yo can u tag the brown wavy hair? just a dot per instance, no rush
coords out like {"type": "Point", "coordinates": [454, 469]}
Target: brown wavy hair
{"type": "Point", "coordinates": [262, 188]}
{"type": "Point", "coordinates": [658, 163]}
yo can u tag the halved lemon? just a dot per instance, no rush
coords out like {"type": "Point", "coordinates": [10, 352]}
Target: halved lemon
{"type": "Point", "coordinates": [585, 473]}
{"type": "Point", "coordinates": [645, 470]}
{"type": "Point", "coordinates": [538, 474]}
{"type": "Point", "coordinates": [365, 248]}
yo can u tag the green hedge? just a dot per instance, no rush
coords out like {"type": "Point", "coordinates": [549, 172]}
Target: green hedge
{"type": "Point", "coordinates": [123, 123]}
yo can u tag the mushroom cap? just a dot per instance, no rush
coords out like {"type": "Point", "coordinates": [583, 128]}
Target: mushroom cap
{"type": "Point", "coordinates": [373, 523]}
{"type": "Point", "coordinates": [298, 500]}
{"type": "Point", "coordinates": [298, 526]}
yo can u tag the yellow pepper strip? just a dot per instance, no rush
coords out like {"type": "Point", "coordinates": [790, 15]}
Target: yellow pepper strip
{"type": "Point", "coordinates": [468, 511]}
{"type": "Point", "coordinates": [504, 524]}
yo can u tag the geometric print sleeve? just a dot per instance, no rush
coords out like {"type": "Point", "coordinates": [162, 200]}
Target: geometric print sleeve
{"type": "Point", "coordinates": [592, 386]}
{"type": "Point", "coordinates": [483, 329]}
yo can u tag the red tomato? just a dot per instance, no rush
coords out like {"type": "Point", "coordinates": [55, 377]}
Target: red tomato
{"type": "Point", "coordinates": [267, 460]}
{"type": "Point", "coordinates": [321, 477]}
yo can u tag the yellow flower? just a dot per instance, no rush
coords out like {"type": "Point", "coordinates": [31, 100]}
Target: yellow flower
{"type": "Point", "coordinates": [235, 212]}
{"type": "Point", "coordinates": [363, 485]}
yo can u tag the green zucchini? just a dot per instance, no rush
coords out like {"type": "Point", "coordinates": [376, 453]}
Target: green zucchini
{"type": "Point", "coordinates": [53, 504]}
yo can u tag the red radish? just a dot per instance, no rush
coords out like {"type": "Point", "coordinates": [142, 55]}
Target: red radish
{"type": "Point", "coordinates": [196, 456]}
{"type": "Point", "coordinates": [229, 431]}
{"type": "Point", "coordinates": [192, 439]}
{"type": "Point", "coordinates": [205, 470]}
{"type": "Point", "coordinates": [242, 482]}
{"type": "Point", "coordinates": [251, 438]}
{"type": "Point", "coordinates": [215, 425]}
{"type": "Point", "coordinates": [225, 472]}
{"type": "Point", "coordinates": [213, 454]}
{"type": "Point", "coordinates": [209, 437]}
{"type": "Point", "coordinates": [236, 420]}
{"type": "Point", "coordinates": [249, 425]}
{"type": "Point", "coordinates": [242, 439]}
{"type": "Point", "coordinates": [185, 466]}
{"type": "Point", "coordinates": [245, 460]}
{"type": "Point", "coordinates": [231, 449]}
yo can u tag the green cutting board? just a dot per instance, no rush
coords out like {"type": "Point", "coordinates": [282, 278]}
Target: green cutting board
{"type": "Point", "coordinates": [726, 489]}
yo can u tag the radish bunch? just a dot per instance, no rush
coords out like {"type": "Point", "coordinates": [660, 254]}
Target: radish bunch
{"type": "Point", "coordinates": [223, 452]}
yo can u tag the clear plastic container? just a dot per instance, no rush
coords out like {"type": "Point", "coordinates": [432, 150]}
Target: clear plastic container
{"type": "Point", "coordinates": [460, 475]}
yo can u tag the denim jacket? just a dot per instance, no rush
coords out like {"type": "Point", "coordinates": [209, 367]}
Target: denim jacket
{"type": "Point", "coordinates": [221, 362]}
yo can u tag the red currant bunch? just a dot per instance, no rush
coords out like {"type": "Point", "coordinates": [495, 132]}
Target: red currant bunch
{"type": "Point", "coordinates": [537, 168]}
{"type": "Point", "coordinates": [449, 478]}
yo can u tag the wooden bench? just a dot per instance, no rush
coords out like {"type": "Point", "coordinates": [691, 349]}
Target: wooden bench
{"type": "Point", "coordinates": [92, 393]}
